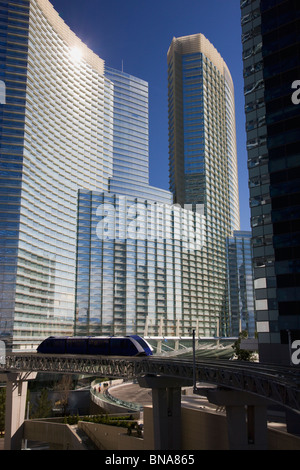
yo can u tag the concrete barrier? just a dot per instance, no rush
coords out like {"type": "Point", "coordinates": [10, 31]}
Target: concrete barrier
{"type": "Point", "coordinates": [200, 430]}
{"type": "Point", "coordinates": [59, 436]}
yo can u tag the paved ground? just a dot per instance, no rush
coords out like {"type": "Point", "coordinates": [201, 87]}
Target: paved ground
{"type": "Point", "coordinates": [134, 393]}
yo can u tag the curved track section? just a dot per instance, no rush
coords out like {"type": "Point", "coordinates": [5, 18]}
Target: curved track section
{"type": "Point", "coordinates": [279, 384]}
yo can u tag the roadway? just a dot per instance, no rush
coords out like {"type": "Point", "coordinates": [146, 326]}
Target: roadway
{"type": "Point", "coordinates": [133, 393]}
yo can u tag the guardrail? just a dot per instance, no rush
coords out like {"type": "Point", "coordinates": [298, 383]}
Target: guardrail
{"type": "Point", "coordinates": [106, 396]}
{"type": "Point", "coordinates": [125, 404]}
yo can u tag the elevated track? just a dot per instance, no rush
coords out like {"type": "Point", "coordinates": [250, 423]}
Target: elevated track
{"type": "Point", "coordinates": [278, 384]}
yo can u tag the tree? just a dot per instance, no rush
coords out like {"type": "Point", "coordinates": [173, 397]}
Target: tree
{"type": "Point", "coordinates": [63, 387]}
{"type": "Point", "coordinates": [242, 354]}
{"type": "Point", "coordinates": [44, 406]}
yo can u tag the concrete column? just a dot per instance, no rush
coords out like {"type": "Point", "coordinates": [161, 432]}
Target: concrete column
{"type": "Point", "coordinates": [15, 408]}
{"type": "Point", "coordinates": [160, 418]}
{"type": "Point", "coordinates": [166, 400]}
{"type": "Point", "coordinates": [246, 418]}
{"type": "Point", "coordinates": [236, 427]}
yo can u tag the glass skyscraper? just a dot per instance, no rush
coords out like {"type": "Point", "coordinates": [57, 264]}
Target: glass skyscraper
{"type": "Point", "coordinates": [240, 284]}
{"type": "Point", "coordinates": [131, 139]}
{"type": "Point", "coordinates": [270, 37]}
{"type": "Point", "coordinates": [56, 137]}
{"type": "Point", "coordinates": [138, 255]}
{"type": "Point", "coordinates": [203, 159]}
{"type": "Point", "coordinates": [137, 266]}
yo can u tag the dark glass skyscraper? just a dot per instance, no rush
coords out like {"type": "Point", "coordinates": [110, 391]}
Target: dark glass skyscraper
{"type": "Point", "coordinates": [271, 55]}
{"type": "Point", "coordinates": [240, 284]}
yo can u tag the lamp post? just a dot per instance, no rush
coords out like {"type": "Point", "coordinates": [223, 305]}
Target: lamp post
{"type": "Point", "coordinates": [194, 363]}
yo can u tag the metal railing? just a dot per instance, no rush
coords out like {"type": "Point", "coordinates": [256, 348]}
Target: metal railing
{"type": "Point", "coordinates": [278, 384]}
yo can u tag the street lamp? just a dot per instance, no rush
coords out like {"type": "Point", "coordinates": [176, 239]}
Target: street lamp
{"type": "Point", "coordinates": [194, 362]}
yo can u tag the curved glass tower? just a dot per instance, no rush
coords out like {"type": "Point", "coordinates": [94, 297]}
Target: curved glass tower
{"type": "Point", "coordinates": [131, 139]}
{"type": "Point", "coordinates": [137, 264]}
{"type": "Point", "coordinates": [203, 160]}
{"type": "Point", "coordinates": [56, 137]}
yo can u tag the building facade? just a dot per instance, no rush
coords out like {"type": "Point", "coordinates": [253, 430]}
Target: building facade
{"type": "Point", "coordinates": [131, 139]}
{"type": "Point", "coordinates": [56, 137]}
{"type": "Point", "coordinates": [137, 267]}
{"type": "Point", "coordinates": [138, 255]}
{"type": "Point", "coordinates": [270, 37]}
{"type": "Point", "coordinates": [240, 284]}
{"type": "Point", "coordinates": [203, 158]}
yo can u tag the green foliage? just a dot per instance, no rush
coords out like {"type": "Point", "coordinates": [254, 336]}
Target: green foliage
{"type": "Point", "coordinates": [121, 421]}
{"type": "Point", "coordinates": [44, 406]}
{"type": "Point", "coordinates": [242, 354]}
{"type": "Point", "coordinates": [134, 427]}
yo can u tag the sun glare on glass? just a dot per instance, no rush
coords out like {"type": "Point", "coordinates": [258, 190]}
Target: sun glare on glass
{"type": "Point", "coordinates": [76, 54]}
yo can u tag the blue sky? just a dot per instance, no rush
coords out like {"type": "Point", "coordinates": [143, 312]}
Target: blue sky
{"type": "Point", "coordinates": [139, 33]}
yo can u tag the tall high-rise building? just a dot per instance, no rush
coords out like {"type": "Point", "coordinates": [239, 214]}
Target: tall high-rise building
{"type": "Point", "coordinates": [137, 254]}
{"type": "Point", "coordinates": [137, 267]}
{"type": "Point", "coordinates": [240, 284]}
{"type": "Point", "coordinates": [271, 55]}
{"type": "Point", "coordinates": [203, 158]}
{"type": "Point", "coordinates": [131, 139]}
{"type": "Point", "coordinates": [56, 137]}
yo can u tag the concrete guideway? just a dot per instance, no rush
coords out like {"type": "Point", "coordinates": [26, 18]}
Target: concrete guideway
{"type": "Point", "coordinates": [280, 384]}
{"type": "Point", "coordinates": [131, 392]}
{"type": "Point", "coordinates": [244, 389]}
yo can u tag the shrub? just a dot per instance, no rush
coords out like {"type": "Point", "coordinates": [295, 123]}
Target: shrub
{"type": "Point", "coordinates": [121, 421]}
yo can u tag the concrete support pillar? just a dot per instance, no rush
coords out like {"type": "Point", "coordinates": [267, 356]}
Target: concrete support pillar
{"type": "Point", "coordinates": [246, 418]}
{"type": "Point", "coordinates": [166, 399]}
{"type": "Point", "coordinates": [15, 408]}
{"type": "Point", "coordinates": [236, 427]}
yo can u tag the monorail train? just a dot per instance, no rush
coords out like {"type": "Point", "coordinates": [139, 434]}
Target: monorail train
{"type": "Point", "coordinates": [96, 346]}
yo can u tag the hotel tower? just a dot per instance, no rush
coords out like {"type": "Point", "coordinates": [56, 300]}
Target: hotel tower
{"type": "Point", "coordinates": [271, 58]}
{"type": "Point", "coordinates": [56, 137]}
{"type": "Point", "coordinates": [203, 162]}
